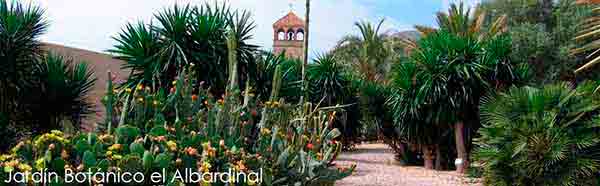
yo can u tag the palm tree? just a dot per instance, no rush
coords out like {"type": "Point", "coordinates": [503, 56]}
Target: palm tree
{"type": "Point", "coordinates": [187, 37]}
{"type": "Point", "coordinates": [540, 136]}
{"type": "Point", "coordinates": [369, 54]}
{"type": "Point", "coordinates": [590, 35]}
{"type": "Point", "coordinates": [464, 57]}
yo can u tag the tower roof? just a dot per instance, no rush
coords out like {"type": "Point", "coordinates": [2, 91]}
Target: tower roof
{"type": "Point", "coordinates": [289, 20]}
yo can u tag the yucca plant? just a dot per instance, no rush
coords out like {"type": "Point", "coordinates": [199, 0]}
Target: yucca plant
{"type": "Point", "coordinates": [540, 136]}
{"type": "Point", "coordinates": [64, 90]}
{"type": "Point", "coordinates": [456, 64]}
{"type": "Point", "coordinates": [266, 63]}
{"type": "Point", "coordinates": [186, 37]}
{"type": "Point", "coordinates": [327, 81]}
{"type": "Point", "coordinates": [20, 28]}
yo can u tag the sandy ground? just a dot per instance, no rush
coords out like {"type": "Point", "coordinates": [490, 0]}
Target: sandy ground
{"type": "Point", "coordinates": [376, 167]}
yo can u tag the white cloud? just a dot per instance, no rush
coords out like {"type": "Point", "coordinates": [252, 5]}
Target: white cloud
{"type": "Point", "coordinates": [90, 24]}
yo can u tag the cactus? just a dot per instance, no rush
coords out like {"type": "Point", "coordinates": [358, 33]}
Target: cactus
{"type": "Point", "coordinates": [292, 144]}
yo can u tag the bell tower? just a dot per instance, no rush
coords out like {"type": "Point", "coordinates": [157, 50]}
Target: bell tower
{"type": "Point", "coordinates": [288, 36]}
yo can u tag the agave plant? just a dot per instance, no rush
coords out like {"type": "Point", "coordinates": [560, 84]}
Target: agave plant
{"type": "Point", "coordinates": [540, 136]}
{"type": "Point", "coordinates": [186, 36]}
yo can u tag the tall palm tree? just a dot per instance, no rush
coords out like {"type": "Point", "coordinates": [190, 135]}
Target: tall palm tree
{"type": "Point", "coordinates": [454, 53]}
{"type": "Point", "coordinates": [370, 53]}
{"type": "Point", "coordinates": [540, 136]}
{"type": "Point", "coordinates": [461, 21]}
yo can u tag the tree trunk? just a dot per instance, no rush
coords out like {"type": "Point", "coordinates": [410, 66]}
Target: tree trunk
{"type": "Point", "coordinates": [428, 156]}
{"type": "Point", "coordinates": [461, 160]}
{"type": "Point", "coordinates": [438, 158]}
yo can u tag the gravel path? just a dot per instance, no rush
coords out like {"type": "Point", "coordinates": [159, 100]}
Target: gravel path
{"type": "Point", "coordinates": [376, 167]}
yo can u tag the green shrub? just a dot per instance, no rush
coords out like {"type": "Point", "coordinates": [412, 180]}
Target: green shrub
{"type": "Point", "coordinates": [540, 136]}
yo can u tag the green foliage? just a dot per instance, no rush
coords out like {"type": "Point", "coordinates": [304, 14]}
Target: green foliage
{"type": "Point", "coordinates": [440, 85]}
{"type": "Point", "coordinates": [327, 81]}
{"type": "Point", "coordinates": [187, 37]}
{"type": "Point", "coordinates": [291, 73]}
{"type": "Point", "coordinates": [38, 91]}
{"type": "Point", "coordinates": [540, 136]}
{"type": "Point", "coordinates": [291, 145]}
{"type": "Point", "coordinates": [370, 53]}
{"type": "Point", "coordinates": [65, 88]}
{"type": "Point", "coordinates": [542, 33]}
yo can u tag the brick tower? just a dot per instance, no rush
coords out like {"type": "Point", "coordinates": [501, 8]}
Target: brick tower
{"type": "Point", "coordinates": [288, 36]}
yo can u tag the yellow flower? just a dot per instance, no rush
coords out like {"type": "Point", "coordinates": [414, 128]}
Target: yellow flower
{"type": "Point", "coordinates": [240, 166]}
{"type": "Point", "coordinates": [205, 167]}
{"type": "Point", "coordinates": [128, 90]}
{"type": "Point", "coordinates": [174, 82]}
{"type": "Point", "coordinates": [250, 182]}
{"type": "Point", "coordinates": [140, 87]}
{"type": "Point", "coordinates": [39, 164]}
{"type": "Point", "coordinates": [115, 147]}
{"type": "Point", "coordinates": [276, 104]}
{"type": "Point", "coordinates": [172, 145]}
{"type": "Point", "coordinates": [24, 167]}
{"type": "Point", "coordinates": [109, 153]}
{"type": "Point", "coordinates": [56, 132]}
{"type": "Point", "coordinates": [206, 145]}
{"type": "Point", "coordinates": [117, 157]}
{"type": "Point", "coordinates": [141, 99]}
{"type": "Point", "coordinates": [155, 103]}
{"type": "Point", "coordinates": [265, 131]}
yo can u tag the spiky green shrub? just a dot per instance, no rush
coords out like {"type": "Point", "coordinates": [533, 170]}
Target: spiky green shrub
{"type": "Point", "coordinates": [187, 37]}
{"type": "Point", "coordinates": [38, 91]}
{"type": "Point", "coordinates": [540, 136]}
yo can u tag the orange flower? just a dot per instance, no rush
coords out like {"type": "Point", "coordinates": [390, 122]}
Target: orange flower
{"type": "Point", "coordinates": [172, 90]}
{"type": "Point", "coordinates": [309, 146]}
{"type": "Point", "coordinates": [194, 97]}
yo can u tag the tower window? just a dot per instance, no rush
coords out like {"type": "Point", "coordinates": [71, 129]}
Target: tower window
{"type": "Point", "coordinates": [300, 35]}
{"type": "Point", "coordinates": [280, 34]}
{"type": "Point", "coordinates": [290, 35]}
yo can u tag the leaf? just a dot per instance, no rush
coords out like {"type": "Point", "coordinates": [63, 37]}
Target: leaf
{"type": "Point", "coordinates": [89, 159]}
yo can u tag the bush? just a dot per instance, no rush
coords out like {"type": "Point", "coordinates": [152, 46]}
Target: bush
{"type": "Point", "coordinates": [540, 136]}
{"type": "Point", "coordinates": [181, 130]}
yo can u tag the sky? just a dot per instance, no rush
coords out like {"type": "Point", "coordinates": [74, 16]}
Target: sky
{"type": "Point", "coordinates": [91, 24]}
